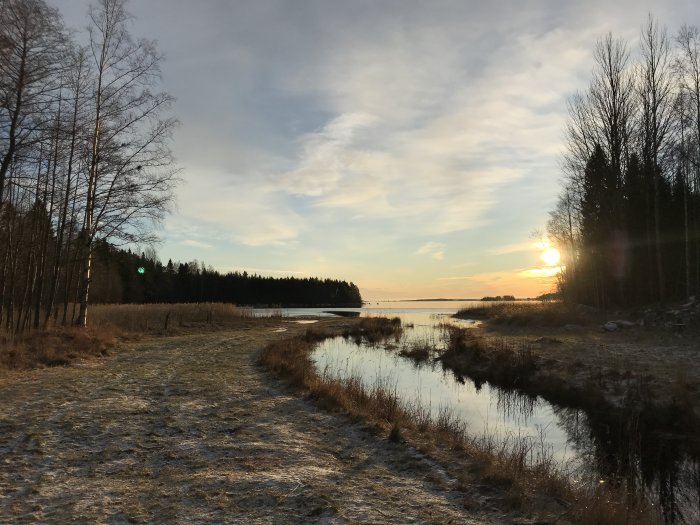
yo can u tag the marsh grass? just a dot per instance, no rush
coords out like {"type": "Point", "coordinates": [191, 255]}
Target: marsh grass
{"type": "Point", "coordinates": [144, 318]}
{"type": "Point", "coordinates": [107, 324]}
{"type": "Point", "coordinates": [374, 330]}
{"type": "Point", "coordinates": [422, 348]}
{"type": "Point", "coordinates": [519, 465]}
{"type": "Point", "coordinates": [547, 313]}
{"type": "Point", "coordinates": [417, 351]}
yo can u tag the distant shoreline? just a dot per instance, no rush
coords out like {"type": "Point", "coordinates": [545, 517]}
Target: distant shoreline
{"type": "Point", "coordinates": [443, 300]}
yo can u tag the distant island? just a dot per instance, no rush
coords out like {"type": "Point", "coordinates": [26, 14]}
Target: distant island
{"type": "Point", "coordinates": [443, 299]}
{"type": "Point", "coordinates": [498, 298]}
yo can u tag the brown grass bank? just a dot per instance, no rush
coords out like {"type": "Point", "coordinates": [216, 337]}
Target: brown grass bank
{"type": "Point", "coordinates": [522, 473]}
{"type": "Point", "coordinates": [543, 313]}
{"type": "Point", "coordinates": [563, 353]}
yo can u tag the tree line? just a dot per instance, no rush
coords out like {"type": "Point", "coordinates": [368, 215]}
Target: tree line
{"type": "Point", "coordinates": [84, 153]}
{"type": "Point", "coordinates": [627, 221]}
{"type": "Point", "coordinates": [125, 277]}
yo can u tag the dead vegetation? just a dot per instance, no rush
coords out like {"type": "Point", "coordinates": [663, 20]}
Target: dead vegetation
{"type": "Point", "coordinates": [164, 318]}
{"type": "Point", "coordinates": [108, 324]}
{"type": "Point", "coordinates": [57, 347]}
{"type": "Point", "coordinates": [563, 352]}
{"type": "Point", "coordinates": [545, 313]}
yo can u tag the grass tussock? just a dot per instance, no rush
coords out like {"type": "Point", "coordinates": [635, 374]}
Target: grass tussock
{"type": "Point", "coordinates": [519, 465]}
{"type": "Point", "coordinates": [419, 352]}
{"type": "Point", "coordinates": [57, 347]}
{"type": "Point", "coordinates": [374, 330]}
{"type": "Point", "coordinates": [494, 360]}
{"type": "Point", "coordinates": [548, 313]}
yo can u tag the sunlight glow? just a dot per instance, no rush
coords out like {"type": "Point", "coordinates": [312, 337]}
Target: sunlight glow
{"type": "Point", "coordinates": [541, 273]}
{"type": "Point", "coordinates": [551, 257]}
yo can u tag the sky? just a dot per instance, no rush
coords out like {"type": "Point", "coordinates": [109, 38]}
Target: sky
{"type": "Point", "coordinates": [411, 147]}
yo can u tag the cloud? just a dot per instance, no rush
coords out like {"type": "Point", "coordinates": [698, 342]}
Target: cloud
{"type": "Point", "coordinates": [325, 157]}
{"type": "Point", "coordinates": [423, 135]}
{"type": "Point", "coordinates": [520, 247]}
{"type": "Point", "coordinates": [197, 244]}
{"type": "Point", "coordinates": [541, 273]}
{"type": "Point", "coordinates": [415, 122]}
{"type": "Point", "coordinates": [436, 250]}
{"type": "Point", "coordinates": [234, 209]}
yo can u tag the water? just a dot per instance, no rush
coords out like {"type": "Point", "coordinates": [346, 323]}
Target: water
{"type": "Point", "coordinates": [488, 411]}
{"type": "Point", "coordinates": [625, 451]}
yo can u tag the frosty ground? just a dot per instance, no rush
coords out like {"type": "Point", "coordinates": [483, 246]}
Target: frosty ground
{"type": "Point", "coordinates": [189, 429]}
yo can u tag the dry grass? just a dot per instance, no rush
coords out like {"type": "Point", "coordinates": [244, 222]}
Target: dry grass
{"type": "Point", "coordinates": [505, 364]}
{"type": "Point", "coordinates": [141, 318]}
{"type": "Point", "coordinates": [59, 346]}
{"type": "Point", "coordinates": [520, 466]}
{"type": "Point", "coordinates": [547, 313]}
{"type": "Point", "coordinates": [374, 330]}
{"type": "Point", "coordinates": [56, 347]}
{"type": "Point", "coordinates": [418, 351]}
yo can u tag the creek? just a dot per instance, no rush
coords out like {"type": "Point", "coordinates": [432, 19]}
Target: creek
{"type": "Point", "coordinates": [592, 447]}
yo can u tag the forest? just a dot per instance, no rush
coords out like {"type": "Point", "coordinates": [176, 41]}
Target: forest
{"type": "Point", "coordinates": [84, 153]}
{"type": "Point", "coordinates": [125, 277]}
{"type": "Point", "coordinates": [627, 220]}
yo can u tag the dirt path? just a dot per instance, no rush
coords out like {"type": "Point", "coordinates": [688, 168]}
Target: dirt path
{"type": "Point", "coordinates": [189, 430]}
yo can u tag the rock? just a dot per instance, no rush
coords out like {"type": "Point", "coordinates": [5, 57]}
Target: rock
{"type": "Point", "coordinates": [610, 326]}
{"type": "Point", "coordinates": [586, 309]}
{"type": "Point", "coordinates": [624, 324]}
{"type": "Point", "coordinates": [572, 327]}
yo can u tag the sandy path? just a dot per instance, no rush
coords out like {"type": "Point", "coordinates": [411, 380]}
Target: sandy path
{"type": "Point", "coordinates": [189, 430]}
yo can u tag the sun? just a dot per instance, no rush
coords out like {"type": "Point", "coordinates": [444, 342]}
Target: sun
{"type": "Point", "coordinates": [551, 257]}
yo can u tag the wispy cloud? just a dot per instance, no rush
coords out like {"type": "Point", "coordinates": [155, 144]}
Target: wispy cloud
{"type": "Point", "coordinates": [235, 209]}
{"type": "Point", "coordinates": [197, 244]}
{"type": "Point", "coordinates": [540, 273]}
{"type": "Point", "coordinates": [516, 248]}
{"type": "Point", "coordinates": [436, 250]}
{"type": "Point", "coordinates": [326, 156]}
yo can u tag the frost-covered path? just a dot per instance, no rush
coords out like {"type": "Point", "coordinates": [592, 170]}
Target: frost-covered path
{"type": "Point", "coordinates": [190, 430]}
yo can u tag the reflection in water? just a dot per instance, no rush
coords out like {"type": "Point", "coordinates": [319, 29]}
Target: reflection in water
{"type": "Point", "coordinates": [514, 405]}
{"type": "Point", "coordinates": [632, 453]}
{"type": "Point", "coordinates": [630, 449]}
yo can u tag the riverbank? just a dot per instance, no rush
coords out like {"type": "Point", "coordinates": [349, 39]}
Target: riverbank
{"type": "Point", "coordinates": [633, 364]}
{"type": "Point", "coordinates": [638, 385]}
{"type": "Point", "coordinates": [514, 471]}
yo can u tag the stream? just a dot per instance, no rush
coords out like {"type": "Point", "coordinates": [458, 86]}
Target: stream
{"type": "Point", "coordinates": [591, 447]}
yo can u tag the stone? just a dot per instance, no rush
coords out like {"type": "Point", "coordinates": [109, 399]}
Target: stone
{"type": "Point", "coordinates": [610, 326]}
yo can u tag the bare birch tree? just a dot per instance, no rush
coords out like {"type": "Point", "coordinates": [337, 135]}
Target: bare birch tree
{"type": "Point", "coordinates": [130, 169]}
{"type": "Point", "coordinates": [31, 52]}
